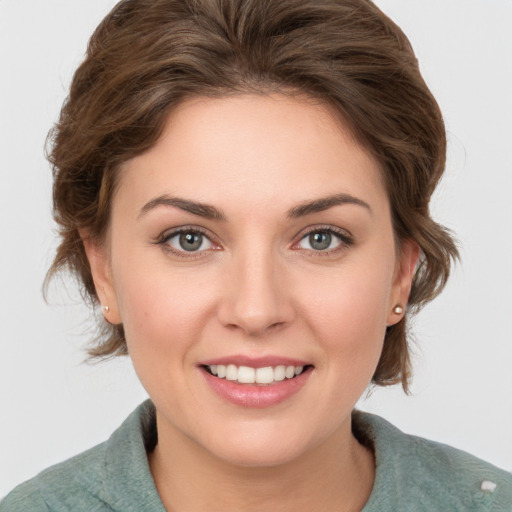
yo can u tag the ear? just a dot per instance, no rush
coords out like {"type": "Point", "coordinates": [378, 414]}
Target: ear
{"type": "Point", "coordinates": [402, 282]}
{"type": "Point", "coordinates": [99, 261]}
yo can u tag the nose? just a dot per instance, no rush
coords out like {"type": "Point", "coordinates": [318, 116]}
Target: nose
{"type": "Point", "coordinates": [256, 299]}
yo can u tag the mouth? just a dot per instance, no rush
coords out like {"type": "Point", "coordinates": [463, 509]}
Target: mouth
{"type": "Point", "coordinates": [263, 376]}
{"type": "Point", "coordinates": [256, 382]}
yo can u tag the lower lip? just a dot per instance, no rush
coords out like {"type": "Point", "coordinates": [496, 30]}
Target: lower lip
{"type": "Point", "coordinates": [254, 395]}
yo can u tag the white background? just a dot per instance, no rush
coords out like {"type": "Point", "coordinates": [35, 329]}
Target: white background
{"type": "Point", "coordinates": [53, 406]}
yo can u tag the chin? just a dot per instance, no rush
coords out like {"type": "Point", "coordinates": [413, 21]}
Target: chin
{"type": "Point", "coordinates": [259, 457]}
{"type": "Point", "coordinates": [257, 448]}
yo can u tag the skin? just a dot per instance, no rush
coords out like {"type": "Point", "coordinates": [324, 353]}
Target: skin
{"type": "Point", "coordinates": [256, 287]}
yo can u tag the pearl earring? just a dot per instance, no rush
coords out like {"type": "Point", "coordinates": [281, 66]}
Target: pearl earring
{"type": "Point", "coordinates": [106, 308]}
{"type": "Point", "coordinates": [398, 310]}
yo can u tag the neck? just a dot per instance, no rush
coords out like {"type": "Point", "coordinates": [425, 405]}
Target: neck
{"type": "Point", "coordinates": [336, 476]}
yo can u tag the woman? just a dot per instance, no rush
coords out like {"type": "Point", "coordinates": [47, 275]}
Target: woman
{"type": "Point", "coordinates": [243, 188]}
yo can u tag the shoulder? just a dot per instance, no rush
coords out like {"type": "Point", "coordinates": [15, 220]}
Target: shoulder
{"type": "Point", "coordinates": [114, 475]}
{"type": "Point", "coordinates": [73, 484]}
{"type": "Point", "coordinates": [429, 475]}
{"type": "Point", "coordinates": [24, 497]}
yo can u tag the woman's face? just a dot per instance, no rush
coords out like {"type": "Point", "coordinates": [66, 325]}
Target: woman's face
{"type": "Point", "coordinates": [255, 237]}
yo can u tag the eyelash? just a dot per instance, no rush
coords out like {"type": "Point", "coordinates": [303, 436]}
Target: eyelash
{"type": "Point", "coordinates": [191, 255]}
{"type": "Point", "coordinates": [344, 238]}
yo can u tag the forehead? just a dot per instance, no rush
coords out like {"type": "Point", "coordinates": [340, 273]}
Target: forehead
{"type": "Point", "coordinates": [261, 150]}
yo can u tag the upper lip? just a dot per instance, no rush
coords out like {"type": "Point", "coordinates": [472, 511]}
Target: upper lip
{"type": "Point", "coordinates": [255, 362]}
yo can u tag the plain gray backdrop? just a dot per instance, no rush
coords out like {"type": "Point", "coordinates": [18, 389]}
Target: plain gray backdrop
{"type": "Point", "coordinates": [54, 406]}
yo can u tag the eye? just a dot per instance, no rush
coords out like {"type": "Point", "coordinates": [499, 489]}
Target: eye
{"type": "Point", "coordinates": [184, 241]}
{"type": "Point", "coordinates": [324, 240]}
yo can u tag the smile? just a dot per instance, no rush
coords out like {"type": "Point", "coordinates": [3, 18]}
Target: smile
{"type": "Point", "coordinates": [247, 375]}
{"type": "Point", "coordinates": [256, 383]}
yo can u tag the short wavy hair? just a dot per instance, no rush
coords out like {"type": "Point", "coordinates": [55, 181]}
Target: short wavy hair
{"type": "Point", "coordinates": [148, 56]}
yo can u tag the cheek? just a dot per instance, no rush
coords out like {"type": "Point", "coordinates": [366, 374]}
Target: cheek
{"type": "Point", "coordinates": [160, 309]}
{"type": "Point", "coordinates": [350, 314]}
{"type": "Point", "coordinates": [164, 315]}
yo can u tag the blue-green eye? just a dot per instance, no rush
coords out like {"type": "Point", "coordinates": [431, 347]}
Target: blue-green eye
{"type": "Point", "coordinates": [188, 241]}
{"type": "Point", "coordinates": [324, 240]}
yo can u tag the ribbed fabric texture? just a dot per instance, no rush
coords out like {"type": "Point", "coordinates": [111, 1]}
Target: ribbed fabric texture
{"type": "Point", "coordinates": [413, 475]}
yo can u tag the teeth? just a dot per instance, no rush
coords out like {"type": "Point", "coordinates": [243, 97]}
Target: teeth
{"type": "Point", "coordinates": [265, 375]}
{"type": "Point", "coordinates": [279, 373]}
{"type": "Point", "coordinates": [248, 375]}
{"type": "Point", "coordinates": [231, 372]}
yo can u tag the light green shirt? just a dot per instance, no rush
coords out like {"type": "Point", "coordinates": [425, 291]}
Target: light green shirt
{"type": "Point", "coordinates": [413, 475]}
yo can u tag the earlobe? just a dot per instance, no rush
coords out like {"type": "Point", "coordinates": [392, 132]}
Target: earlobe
{"type": "Point", "coordinates": [410, 252]}
{"type": "Point", "coordinates": [99, 262]}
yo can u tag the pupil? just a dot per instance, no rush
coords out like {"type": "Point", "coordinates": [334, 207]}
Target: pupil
{"type": "Point", "coordinates": [191, 241]}
{"type": "Point", "coordinates": [320, 241]}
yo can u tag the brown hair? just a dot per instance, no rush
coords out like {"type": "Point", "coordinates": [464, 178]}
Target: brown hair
{"type": "Point", "coordinates": [148, 55]}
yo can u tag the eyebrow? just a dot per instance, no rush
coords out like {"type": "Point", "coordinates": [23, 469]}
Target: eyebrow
{"type": "Point", "coordinates": [324, 203]}
{"type": "Point", "coordinates": [201, 209]}
{"type": "Point", "coordinates": [208, 211]}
